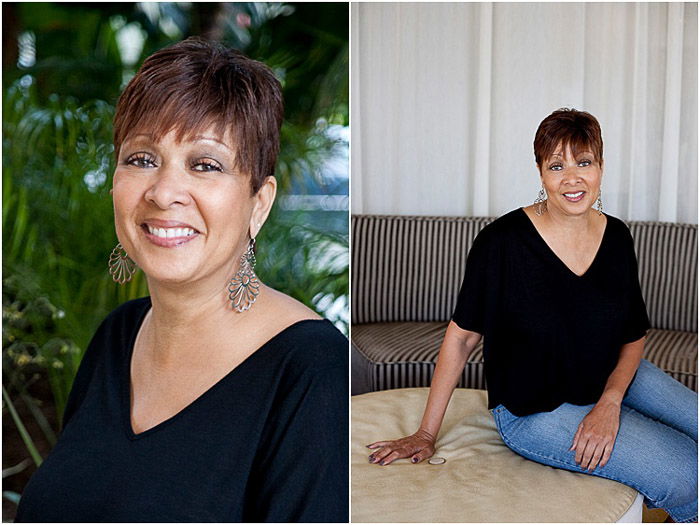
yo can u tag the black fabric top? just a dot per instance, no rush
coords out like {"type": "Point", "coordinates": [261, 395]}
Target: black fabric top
{"type": "Point", "coordinates": [550, 336]}
{"type": "Point", "coordinates": [268, 442]}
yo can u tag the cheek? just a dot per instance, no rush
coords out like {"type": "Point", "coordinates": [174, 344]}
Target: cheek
{"type": "Point", "coordinates": [126, 194]}
{"type": "Point", "coordinates": [548, 181]}
{"type": "Point", "coordinates": [595, 179]}
{"type": "Point", "coordinates": [230, 211]}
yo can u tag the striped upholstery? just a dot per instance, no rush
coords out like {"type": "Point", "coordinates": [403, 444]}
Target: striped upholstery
{"type": "Point", "coordinates": [668, 272]}
{"type": "Point", "coordinates": [408, 268]}
{"type": "Point", "coordinates": [406, 273]}
{"type": "Point", "coordinates": [412, 349]}
{"type": "Point", "coordinates": [403, 355]}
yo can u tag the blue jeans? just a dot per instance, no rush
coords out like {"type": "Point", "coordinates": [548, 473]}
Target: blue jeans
{"type": "Point", "coordinates": [656, 450]}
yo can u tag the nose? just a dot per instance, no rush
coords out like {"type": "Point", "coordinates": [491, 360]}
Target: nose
{"type": "Point", "coordinates": [572, 175]}
{"type": "Point", "coordinates": [168, 188]}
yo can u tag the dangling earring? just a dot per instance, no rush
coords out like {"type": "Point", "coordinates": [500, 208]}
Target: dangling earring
{"type": "Point", "coordinates": [121, 267]}
{"type": "Point", "coordinates": [244, 287]}
{"type": "Point", "coordinates": [540, 203]}
{"type": "Point", "coordinates": [599, 203]}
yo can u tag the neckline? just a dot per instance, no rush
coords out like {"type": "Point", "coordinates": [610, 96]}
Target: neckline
{"type": "Point", "coordinates": [126, 375]}
{"type": "Point", "coordinates": [556, 257]}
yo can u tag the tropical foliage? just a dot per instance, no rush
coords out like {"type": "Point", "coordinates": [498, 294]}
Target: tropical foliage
{"type": "Point", "coordinates": [61, 77]}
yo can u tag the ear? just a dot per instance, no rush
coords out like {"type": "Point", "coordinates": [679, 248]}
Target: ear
{"type": "Point", "coordinates": [263, 204]}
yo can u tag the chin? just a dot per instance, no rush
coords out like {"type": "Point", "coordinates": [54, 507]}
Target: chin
{"type": "Point", "coordinates": [168, 274]}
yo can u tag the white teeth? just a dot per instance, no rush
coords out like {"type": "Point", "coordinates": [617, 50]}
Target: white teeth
{"type": "Point", "coordinates": [169, 233]}
{"type": "Point", "coordinates": [574, 195]}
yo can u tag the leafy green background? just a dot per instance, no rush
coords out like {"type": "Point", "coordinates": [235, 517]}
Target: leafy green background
{"type": "Point", "coordinates": [64, 66]}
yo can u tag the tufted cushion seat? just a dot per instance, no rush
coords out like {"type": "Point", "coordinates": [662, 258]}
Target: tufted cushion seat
{"type": "Point", "coordinates": [407, 272]}
{"type": "Point", "coordinates": [482, 480]}
{"type": "Point", "coordinates": [403, 355]}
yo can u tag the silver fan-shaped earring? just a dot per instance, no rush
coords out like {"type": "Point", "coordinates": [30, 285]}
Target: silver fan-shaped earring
{"type": "Point", "coordinates": [540, 203]}
{"type": "Point", "coordinates": [121, 267]}
{"type": "Point", "coordinates": [244, 287]}
{"type": "Point", "coordinates": [599, 203]}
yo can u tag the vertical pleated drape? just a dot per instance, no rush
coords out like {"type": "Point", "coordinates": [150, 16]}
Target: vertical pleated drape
{"type": "Point", "coordinates": [446, 98]}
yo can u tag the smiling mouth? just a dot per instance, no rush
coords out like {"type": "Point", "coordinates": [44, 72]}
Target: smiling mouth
{"type": "Point", "coordinates": [170, 233]}
{"type": "Point", "coordinates": [168, 237]}
{"type": "Point", "coordinates": [574, 197]}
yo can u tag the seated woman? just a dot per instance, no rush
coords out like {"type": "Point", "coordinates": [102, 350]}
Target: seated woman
{"type": "Point", "coordinates": [554, 291]}
{"type": "Point", "coordinates": [217, 398]}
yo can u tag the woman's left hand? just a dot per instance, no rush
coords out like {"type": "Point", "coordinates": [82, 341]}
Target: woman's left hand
{"type": "Point", "coordinates": [595, 437]}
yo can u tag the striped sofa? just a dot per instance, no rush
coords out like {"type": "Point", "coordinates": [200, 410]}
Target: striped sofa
{"type": "Point", "coordinates": [407, 271]}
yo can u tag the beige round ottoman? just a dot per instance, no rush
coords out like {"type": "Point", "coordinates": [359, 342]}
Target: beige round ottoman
{"type": "Point", "coordinates": [482, 480]}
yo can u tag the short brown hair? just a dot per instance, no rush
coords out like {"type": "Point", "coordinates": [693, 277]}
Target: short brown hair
{"type": "Point", "coordinates": [195, 83]}
{"type": "Point", "coordinates": [578, 130]}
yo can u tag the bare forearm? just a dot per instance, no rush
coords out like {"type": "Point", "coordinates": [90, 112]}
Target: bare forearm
{"type": "Point", "coordinates": [456, 347]}
{"type": "Point", "coordinates": [621, 376]}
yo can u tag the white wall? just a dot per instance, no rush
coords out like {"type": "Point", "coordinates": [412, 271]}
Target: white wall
{"type": "Point", "coordinates": [446, 99]}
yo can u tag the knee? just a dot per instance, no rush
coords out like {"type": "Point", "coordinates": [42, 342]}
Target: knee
{"type": "Point", "coordinates": [678, 484]}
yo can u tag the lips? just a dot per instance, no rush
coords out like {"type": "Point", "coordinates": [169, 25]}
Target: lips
{"type": "Point", "coordinates": [168, 234]}
{"type": "Point", "coordinates": [574, 196]}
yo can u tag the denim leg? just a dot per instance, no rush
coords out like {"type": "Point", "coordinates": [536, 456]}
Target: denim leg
{"type": "Point", "coordinates": [656, 460]}
{"type": "Point", "coordinates": [657, 395]}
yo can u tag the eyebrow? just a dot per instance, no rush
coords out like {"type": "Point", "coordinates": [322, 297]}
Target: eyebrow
{"type": "Point", "coordinates": [203, 137]}
{"type": "Point", "coordinates": [580, 153]}
{"type": "Point", "coordinates": [196, 138]}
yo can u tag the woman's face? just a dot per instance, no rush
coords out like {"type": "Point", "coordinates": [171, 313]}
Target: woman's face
{"type": "Point", "coordinates": [181, 210]}
{"type": "Point", "coordinates": [572, 184]}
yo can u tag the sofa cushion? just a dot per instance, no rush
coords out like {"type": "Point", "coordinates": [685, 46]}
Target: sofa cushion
{"type": "Point", "coordinates": [482, 479]}
{"type": "Point", "coordinates": [403, 355]}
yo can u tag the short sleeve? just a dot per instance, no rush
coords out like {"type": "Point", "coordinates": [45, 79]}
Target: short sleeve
{"type": "Point", "coordinates": [470, 311]}
{"type": "Point", "coordinates": [637, 320]}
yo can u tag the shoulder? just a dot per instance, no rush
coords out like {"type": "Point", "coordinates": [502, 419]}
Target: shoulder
{"type": "Point", "coordinates": [285, 309]}
{"type": "Point", "coordinates": [305, 355]}
{"type": "Point", "coordinates": [129, 310]}
{"type": "Point", "coordinates": [121, 320]}
{"type": "Point", "coordinates": [314, 344]}
{"type": "Point", "coordinates": [618, 232]}
{"type": "Point", "coordinates": [501, 229]}
{"type": "Point", "coordinates": [617, 225]}
{"type": "Point", "coordinates": [302, 336]}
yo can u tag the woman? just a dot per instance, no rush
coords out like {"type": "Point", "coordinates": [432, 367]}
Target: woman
{"type": "Point", "coordinates": [217, 398]}
{"type": "Point", "coordinates": [554, 291]}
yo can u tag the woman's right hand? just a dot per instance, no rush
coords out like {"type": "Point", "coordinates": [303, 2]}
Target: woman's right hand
{"type": "Point", "coordinates": [418, 446]}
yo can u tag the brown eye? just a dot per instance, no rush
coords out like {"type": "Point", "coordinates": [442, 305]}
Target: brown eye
{"type": "Point", "coordinates": [206, 165]}
{"type": "Point", "coordinates": [141, 160]}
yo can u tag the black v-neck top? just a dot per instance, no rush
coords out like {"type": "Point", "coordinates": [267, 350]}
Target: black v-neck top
{"type": "Point", "coordinates": [267, 443]}
{"type": "Point", "coordinates": [550, 336]}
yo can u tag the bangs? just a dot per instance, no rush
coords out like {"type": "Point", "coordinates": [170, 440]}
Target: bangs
{"type": "Point", "coordinates": [196, 86]}
{"type": "Point", "coordinates": [187, 121]}
{"type": "Point", "coordinates": [577, 143]}
{"type": "Point", "coordinates": [570, 129]}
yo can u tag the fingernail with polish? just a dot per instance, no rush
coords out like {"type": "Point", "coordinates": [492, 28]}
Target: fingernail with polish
{"type": "Point", "coordinates": [381, 463]}
{"type": "Point", "coordinates": [414, 460]}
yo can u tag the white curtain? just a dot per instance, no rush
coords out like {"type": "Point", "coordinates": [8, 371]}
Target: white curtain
{"type": "Point", "coordinates": [446, 99]}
